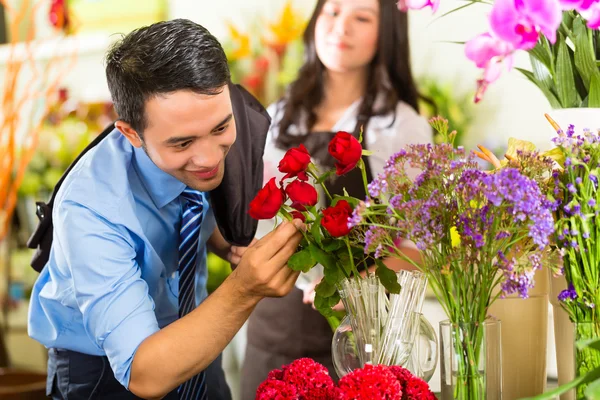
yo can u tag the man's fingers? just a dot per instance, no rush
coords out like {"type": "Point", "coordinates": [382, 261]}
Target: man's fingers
{"type": "Point", "coordinates": [288, 249]}
{"type": "Point", "coordinates": [273, 242]}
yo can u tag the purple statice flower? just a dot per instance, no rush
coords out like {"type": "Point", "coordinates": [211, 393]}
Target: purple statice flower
{"type": "Point", "coordinates": [502, 235]}
{"type": "Point", "coordinates": [520, 283]}
{"type": "Point", "coordinates": [568, 294]}
{"type": "Point", "coordinates": [586, 235]}
{"type": "Point", "coordinates": [578, 180]}
{"type": "Point", "coordinates": [374, 238]}
{"type": "Point", "coordinates": [568, 162]}
{"type": "Point", "coordinates": [594, 180]}
{"type": "Point", "coordinates": [378, 186]}
{"type": "Point", "coordinates": [591, 202]}
{"type": "Point", "coordinates": [524, 200]}
{"type": "Point", "coordinates": [357, 214]}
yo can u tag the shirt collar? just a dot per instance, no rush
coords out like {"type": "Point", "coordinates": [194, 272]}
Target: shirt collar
{"type": "Point", "coordinates": [162, 187]}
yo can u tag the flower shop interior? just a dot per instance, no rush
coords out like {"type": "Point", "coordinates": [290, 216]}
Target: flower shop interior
{"type": "Point", "coordinates": [55, 100]}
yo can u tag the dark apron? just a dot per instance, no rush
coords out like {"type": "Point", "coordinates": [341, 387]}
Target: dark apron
{"type": "Point", "coordinates": [286, 326]}
{"type": "Point", "coordinates": [78, 376]}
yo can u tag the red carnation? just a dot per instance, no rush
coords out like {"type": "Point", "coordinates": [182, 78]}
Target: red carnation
{"type": "Point", "coordinates": [369, 383]}
{"type": "Point", "coordinates": [272, 389]}
{"type": "Point", "coordinates": [346, 150]}
{"type": "Point", "coordinates": [311, 379]}
{"type": "Point", "coordinates": [417, 389]}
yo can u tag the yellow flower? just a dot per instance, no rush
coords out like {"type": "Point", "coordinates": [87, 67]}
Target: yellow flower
{"type": "Point", "coordinates": [454, 237]}
{"type": "Point", "coordinates": [288, 27]}
{"type": "Point", "coordinates": [241, 43]}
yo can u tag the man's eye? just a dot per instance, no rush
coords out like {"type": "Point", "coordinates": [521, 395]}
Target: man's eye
{"type": "Point", "coordinates": [183, 145]}
{"type": "Point", "coordinates": [221, 129]}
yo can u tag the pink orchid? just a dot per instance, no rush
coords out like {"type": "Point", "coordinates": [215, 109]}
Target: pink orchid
{"type": "Point", "coordinates": [592, 15]}
{"type": "Point", "coordinates": [519, 22]}
{"type": "Point", "coordinates": [578, 5]}
{"type": "Point", "coordinates": [405, 5]}
{"type": "Point", "coordinates": [493, 55]}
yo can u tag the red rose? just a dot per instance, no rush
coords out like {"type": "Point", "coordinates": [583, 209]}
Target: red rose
{"type": "Point", "coordinates": [298, 215]}
{"type": "Point", "coordinates": [267, 202]}
{"type": "Point", "coordinates": [346, 150]}
{"type": "Point", "coordinates": [302, 194]}
{"type": "Point", "coordinates": [335, 219]}
{"type": "Point", "coordinates": [295, 162]}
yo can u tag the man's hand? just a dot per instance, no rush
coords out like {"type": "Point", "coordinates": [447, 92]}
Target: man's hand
{"type": "Point", "coordinates": [262, 270]}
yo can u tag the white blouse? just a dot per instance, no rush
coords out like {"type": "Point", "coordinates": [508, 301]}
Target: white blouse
{"type": "Point", "coordinates": [385, 137]}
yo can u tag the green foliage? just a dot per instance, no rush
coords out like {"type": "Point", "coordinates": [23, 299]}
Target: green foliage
{"type": "Point", "coordinates": [567, 72]}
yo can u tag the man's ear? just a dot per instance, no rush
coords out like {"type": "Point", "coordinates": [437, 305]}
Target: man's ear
{"type": "Point", "coordinates": [130, 133]}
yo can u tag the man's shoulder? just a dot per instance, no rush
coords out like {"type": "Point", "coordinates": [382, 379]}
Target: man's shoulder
{"type": "Point", "coordinates": [100, 180]}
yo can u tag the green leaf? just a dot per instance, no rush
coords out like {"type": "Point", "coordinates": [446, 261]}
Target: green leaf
{"type": "Point", "coordinates": [589, 343]}
{"type": "Point", "coordinates": [322, 305]}
{"type": "Point", "coordinates": [315, 229]}
{"type": "Point", "coordinates": [592, 392]}
{"type": "Point", "coordinates": [541, 73]}
{"type": "Point", "coordinates": [325, 289]}
{"type": "Point", "coordinates": [343, 261]}
{"type": "Point", "coordinates": [388, 278]}
{"type": "Point", "coordinates": [302, 261]}
{"type": "Point", "coordinates": [585, 58]}
{"type": "Point", "coordinates": [332, 245]}
{"type": "Point", "coordinates": [326, 175]}
{"type": "Point", "coordinates": [564, 78]}
{"type": "Point", "coordinates": [353, 201]}
{"type": "Point", "coordinates": [367, 152]}
{"type": "Point", "coordinates": [547, 92]}
{"type": "Point", "coordinates": [322, 257]}
{"type": "Point", "coordinates": [594, 94]}
{"type": "Point", "coordinates": [582, 380]}
{"type": "Point", "coordinates": [543, 54]}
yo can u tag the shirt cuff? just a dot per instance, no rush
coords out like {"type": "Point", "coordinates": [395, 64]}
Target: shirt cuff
{"type": "Point", "coordinates": [121, 344]}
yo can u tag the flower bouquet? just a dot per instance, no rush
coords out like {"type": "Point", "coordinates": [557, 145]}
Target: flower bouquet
{"type": "Point", "coordinates": [382, 329]}
{"type": "Point", "coordinates": [477, 231]}
{"type": "Point", "coordinates": [305, 379]}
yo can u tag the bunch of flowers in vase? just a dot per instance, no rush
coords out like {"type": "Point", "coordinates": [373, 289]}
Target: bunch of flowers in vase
{"type": "Point", "coordinates": [378, 329]}
{"type": "Point", "coordinates": [577, 238]}
{"type": "Point", "coordinates": [305, 379]}
{"type": "Point", "coordinates": [477, 231]}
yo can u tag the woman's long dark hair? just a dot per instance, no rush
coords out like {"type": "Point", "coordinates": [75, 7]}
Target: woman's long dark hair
{"type": "Point", "coordinates": [389, 75]}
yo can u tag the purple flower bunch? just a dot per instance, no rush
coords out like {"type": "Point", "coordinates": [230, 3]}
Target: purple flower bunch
{"type": "Point", "coordinates": [471, 226]}
{"type": "Point", "coordinates": [577, 229]}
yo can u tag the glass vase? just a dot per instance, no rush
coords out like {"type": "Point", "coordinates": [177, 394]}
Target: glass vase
{"type": "Point", "coordinates": [471, 360]}
{"type": "Point", "coordinates": [382, 329]}
{"type": "Point", "coordinates": [586, 359]}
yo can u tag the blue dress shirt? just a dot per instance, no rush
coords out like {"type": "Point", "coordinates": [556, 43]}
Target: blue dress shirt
{"type": "Point", "coordinates": [112, 280]}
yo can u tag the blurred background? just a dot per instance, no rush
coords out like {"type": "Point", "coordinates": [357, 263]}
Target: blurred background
{"type": "Point", "coordinates": [55, 101]}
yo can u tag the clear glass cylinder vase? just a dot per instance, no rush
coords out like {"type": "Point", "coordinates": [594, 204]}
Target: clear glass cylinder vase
{"type": "Point", "coordinates": [471, 360]}
{"type": "Point", "coordinates": [381, 328]}
{"type": "Point", "coordinates": [586, 359]}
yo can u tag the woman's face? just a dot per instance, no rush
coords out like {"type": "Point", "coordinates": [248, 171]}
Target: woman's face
{"type": "Point", "coordinates": [346, 34]}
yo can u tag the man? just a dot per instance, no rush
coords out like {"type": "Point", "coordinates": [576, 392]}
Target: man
{"type": "Point", "coordinates": [120, 303]}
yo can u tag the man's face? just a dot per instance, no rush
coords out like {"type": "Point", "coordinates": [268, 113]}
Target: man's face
{"type": "Point", "coordinates": [188, 136]}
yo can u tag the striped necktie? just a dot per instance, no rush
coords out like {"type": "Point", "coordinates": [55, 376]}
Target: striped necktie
{"type": "Point", "coordinates": [189, 235]}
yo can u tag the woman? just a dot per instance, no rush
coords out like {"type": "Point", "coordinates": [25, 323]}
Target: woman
{"type": "Point", "coordinates": [356, 75]}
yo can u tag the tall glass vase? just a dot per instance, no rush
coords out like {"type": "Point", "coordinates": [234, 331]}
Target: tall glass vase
{"type": "Point", "coordinates": [586, 359]}
{"type": "Point", "coordinates": [471, 360]}
{"type": "Point", "coordinates": [381, 328]}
